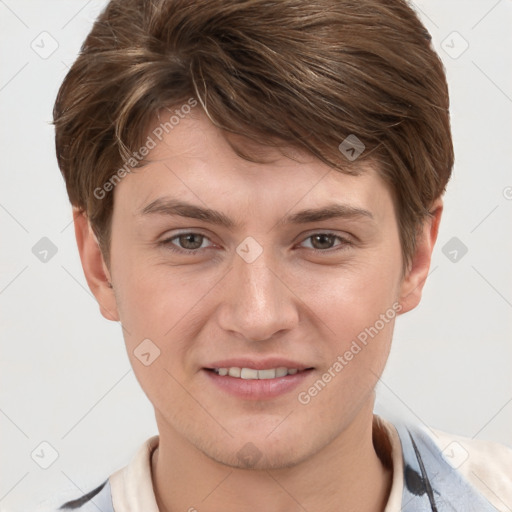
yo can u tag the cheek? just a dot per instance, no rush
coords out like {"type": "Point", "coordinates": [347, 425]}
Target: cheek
{"type": "Point", "coordinates": [349, 299]}
{"type": "Point", "coordinates": [356, 317]}
{"type": "Point", "coordinates": [355, 312]}
{"type": "Point", "coordinates": [164, 304]}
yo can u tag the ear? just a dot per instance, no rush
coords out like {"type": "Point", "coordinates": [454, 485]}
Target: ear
{"type": "Point", "coordinates": [414, 280]}
{"type": "Point", "coordinates": [95, 270]}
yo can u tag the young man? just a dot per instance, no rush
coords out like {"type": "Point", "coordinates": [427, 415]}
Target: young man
{"type": "Point", "coordinates": [257, 193]}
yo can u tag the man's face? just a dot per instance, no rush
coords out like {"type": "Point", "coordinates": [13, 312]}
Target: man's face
{"type": "Point", "coordinates": [262, 289]}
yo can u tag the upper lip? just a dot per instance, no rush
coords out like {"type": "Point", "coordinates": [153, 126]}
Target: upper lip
{"type": "Point", "coordinates": [258, 364]}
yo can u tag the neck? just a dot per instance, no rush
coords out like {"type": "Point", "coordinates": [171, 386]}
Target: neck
{"type": "Point", "coordinates": [346, 475]}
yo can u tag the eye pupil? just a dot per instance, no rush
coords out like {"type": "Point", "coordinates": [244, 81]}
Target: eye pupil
{"type": "Point", "coordinates": [325, 241]}
{"type": "Point", "coordinates": [186, 243]}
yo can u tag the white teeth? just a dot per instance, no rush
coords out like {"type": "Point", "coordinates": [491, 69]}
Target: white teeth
{"type": "Point", "coordinates": [282, 371]}
{"type": "Point", "coordinates": [252, 374]}
{"type": "Point", "coordinates": [267, 374]}
{"type": "Point", "coordinates": [234, 372]}
{"type": "Point", "coordinates": [248, 373]}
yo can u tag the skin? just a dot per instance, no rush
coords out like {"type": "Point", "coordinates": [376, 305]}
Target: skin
{"type": "Point", "coordinates": [291, 302]}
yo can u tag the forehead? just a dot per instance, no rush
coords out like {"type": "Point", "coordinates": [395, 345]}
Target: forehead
{"type": "Point", "coordinates": [195, 161]}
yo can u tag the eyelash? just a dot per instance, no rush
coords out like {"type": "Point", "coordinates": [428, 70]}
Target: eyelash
{"type": "Point", "coordinates": [172, 247]}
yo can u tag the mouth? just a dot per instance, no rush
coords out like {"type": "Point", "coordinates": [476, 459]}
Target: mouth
{"type": "Point", "coordinates": [263, 383]}
{"type": "Point", "coordinates": [254, 374]}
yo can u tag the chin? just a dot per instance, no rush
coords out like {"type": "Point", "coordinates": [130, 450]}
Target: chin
{"type": "Point", "coordinates": [260, 450]}
{"type": "Point", "coordinates": [260, 457]}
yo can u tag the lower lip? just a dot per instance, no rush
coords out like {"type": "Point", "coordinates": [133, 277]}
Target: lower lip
{"type": "Point", "coordinates": [255, 389]}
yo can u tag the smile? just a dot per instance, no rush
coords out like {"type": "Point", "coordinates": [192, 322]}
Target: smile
{"type": "Point", "coordinates": [252, 374]}
{"type": "Point", "coordinates": [252, 384]}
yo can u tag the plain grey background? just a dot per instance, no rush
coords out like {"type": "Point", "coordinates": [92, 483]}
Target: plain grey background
{"type": "Point", "coordinates": [66, 379]}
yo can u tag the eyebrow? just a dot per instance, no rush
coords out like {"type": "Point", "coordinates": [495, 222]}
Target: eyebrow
{"type": "Point", "coordinates": [175, 207]}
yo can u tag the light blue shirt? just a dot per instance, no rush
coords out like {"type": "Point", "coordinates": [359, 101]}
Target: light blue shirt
{"type": "Point", "coordinates": [431, 484]}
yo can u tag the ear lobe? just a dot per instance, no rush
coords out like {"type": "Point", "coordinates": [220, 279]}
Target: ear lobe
{"type": "Point", "coordinates": [413, 282]}
{"type": "Point", "coordinates": [93, 264]}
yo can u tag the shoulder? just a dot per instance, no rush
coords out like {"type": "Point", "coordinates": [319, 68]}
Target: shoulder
{"type": "Point", "coordinates": [485, 464]}
{"type": "Point", "coordinates": [124, 487]}
{"type": "Point", "coordinates": [466, 473]}
{"type": "Point", "coordinates": [99, 498]}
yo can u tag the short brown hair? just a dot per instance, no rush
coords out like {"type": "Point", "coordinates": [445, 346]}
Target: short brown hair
{"type": "Point", "coordinates": [308, 73]}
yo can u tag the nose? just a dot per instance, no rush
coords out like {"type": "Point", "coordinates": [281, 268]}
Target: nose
{"type": "Point", "coordinates": [256, 301]}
